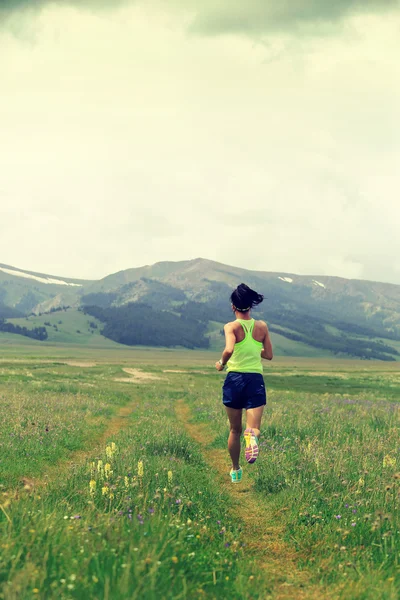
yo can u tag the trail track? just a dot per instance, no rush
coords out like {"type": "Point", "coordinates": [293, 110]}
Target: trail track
{"type": "Point", "coordinates": [262, 529]}
{"type": "Point", "coordinates": [117, 423]}
{"type": "Point", "coordinates": [137, 376]}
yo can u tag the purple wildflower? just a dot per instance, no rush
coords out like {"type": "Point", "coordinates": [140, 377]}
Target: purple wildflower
{"type": "Point", "coordinates": [151, 510]}
{"type": "Point", "coordinates": [353, 524]}
{"type": "Point", "coordinates": [227, 545]}
{"type": "Point", "coordinates": [338, 516]}
{"type": "Point", "coordinates": [77, 517]}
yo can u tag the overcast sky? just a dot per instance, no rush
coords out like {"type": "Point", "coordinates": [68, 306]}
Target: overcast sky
{"type": "Point", "coordinates": [260, 134]}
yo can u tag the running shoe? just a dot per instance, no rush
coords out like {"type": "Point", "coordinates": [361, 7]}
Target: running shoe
{"type": "Point", "coordinates": [251, 445]}
{"type": "Point", "coordinates": [236, 476]}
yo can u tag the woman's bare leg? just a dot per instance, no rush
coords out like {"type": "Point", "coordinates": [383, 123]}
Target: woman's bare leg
{"type": "Point", "coordinates": [235, 421]}
{"type": "Point", "coordinates": [253, 419]}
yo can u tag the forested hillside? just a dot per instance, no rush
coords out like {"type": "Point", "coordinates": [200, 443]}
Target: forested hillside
{"type": "Point", "coordinates": [140, 325]}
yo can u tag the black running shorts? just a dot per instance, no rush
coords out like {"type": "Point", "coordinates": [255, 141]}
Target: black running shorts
{"type": "Point", "coordinates": [244, 390]}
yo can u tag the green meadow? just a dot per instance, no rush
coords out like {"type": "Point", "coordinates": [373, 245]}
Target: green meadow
{"type": "Point", "coordinates": [114, 479]}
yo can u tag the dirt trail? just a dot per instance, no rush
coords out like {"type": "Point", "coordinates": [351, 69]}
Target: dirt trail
{"type": "Point", "coordinates": [79, 363]}
{"type": "Point", "coordinates": [261, 524]}
{"type": "Point", "coordinates": [116, 424]}
{"type": "Point", "coordinates": [137, 376]}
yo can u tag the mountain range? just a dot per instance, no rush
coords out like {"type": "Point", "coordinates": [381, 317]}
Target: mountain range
{"type": "Point", "coordinates": [186, 304]}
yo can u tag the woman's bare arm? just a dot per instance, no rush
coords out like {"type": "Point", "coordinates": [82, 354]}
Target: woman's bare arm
{"type": "Point", "coordinates": [267, 351]}
{"type": "Point", "coordinates": [230, 340]}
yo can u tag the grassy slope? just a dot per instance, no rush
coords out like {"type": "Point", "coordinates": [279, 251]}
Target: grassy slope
{"type": "Point", "coordinates": [285, 347]}
{"type": "Point", "coordinates": [282, 345]}
{"type": "Point", "coordinates": [72, 321]}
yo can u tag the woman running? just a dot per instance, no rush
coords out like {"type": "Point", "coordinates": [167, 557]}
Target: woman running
{"type": "Point", "coordinates": [246, 342]}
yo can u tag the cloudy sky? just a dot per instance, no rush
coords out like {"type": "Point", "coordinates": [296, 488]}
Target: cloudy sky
{"type": "Point", "coordinates": [260, 134]}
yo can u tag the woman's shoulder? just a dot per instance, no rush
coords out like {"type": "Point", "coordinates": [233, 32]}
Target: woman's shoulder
{"type": "Point", "coordinates": [231, 325]}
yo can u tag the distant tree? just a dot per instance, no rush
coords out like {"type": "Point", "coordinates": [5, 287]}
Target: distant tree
{"type": "Point", "coordinates": [38, 333]}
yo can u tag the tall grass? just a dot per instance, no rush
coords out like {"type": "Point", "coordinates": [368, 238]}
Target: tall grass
{"type": "Point", "coordinates": [330, 467]}
{"type": "Point", "coordinates": [144, 518]}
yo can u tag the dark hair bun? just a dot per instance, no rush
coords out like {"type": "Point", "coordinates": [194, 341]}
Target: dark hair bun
{"type": "Point", "coordinates": [244, 298]}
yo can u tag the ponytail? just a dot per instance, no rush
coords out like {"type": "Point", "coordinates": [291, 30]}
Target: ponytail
{"type": "Point", "coordinates": [244, 298]}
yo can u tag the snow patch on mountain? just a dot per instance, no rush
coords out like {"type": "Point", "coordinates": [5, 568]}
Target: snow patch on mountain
{"type": "Point", "coordinates": [318, 283]}
{"type": "Point", "coordinates": [47, 280]}
{"type": "Point", "coordinates": [286, 279]}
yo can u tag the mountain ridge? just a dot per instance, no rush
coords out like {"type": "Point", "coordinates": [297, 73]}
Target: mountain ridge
{"type": "Point", "coordinates": [201, 260]}
{"type": "Point", "coordinates": [345, 316]}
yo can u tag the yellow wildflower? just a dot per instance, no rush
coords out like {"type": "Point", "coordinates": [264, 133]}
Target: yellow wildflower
{"type": "Point", "coordinates": [109, 452]}
{"type": "Point", "coordinates": [169, 476]}
{"type": "Point", "coordinates": [389, 461]}
{"type": "Point", "coordinates": [104, 490]}
{"type": "Point", "coordinates": [361, 482]}
{"type": "Point", "coordinates": [92, 486]}
{"type": "Point", "coordinates": [99, 465]}
{"type": "Point", "coordinates": [174, 559]}
{"type": "Point", "coordinates": [309, 448]}
{"type": "Point", "coordinates": [113, 447]}
{"type": "Point", "coordinates": [107, 470]}
{"type": "Point", "coordinates": [140, 469]}
{"type": "Point", "coordinates": [126, 481]}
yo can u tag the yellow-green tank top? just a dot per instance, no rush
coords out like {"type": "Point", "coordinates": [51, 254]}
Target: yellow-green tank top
{"type": "Point", "coordinates": [246, 357]}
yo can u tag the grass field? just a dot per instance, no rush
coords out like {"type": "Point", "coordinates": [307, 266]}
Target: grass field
{"type": "Point", "coordinates": [113, 474]}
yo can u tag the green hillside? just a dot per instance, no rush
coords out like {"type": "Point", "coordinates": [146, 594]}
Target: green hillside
{"type": "Point", "coordinates": [74, 321]}
{"type": "Point", "coordinates": [282, 345]}
{"type": "Point", "coordinates": [69, 326]}
{"type": "Point", "coordinates": [27, 291]}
